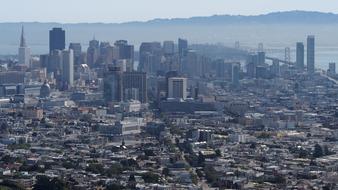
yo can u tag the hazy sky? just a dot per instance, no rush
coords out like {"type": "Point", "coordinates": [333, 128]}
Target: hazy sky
{"type": "Point", "coordinates": [139, 10]}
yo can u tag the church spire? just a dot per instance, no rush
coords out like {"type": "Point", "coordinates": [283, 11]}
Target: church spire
{"type": "Point", "coordinates": [22, 39]}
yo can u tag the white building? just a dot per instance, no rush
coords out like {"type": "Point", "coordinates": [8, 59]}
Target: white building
{"type": "Point", "coordinates": [177, 88]}
{"type": "Point", "coordinates": [24, 51]}
{"type": "Point", "coordinates": [68, 67]}
{"type": "Point", "coordinates": [129, 126]}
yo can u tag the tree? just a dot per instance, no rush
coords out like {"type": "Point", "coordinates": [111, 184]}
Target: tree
{"type": "Point", "coordinates": [150, 177]}
{"type": "Point", "coordinates": [318, 151]}
{"type": "Point", "coordinates": [165, 171]}
{"type": "Point", "coordinates": [7, 184]}
{"type": "Point", "coordinates": [114, 186]}
{"type": "Point", "coordinates": [114, 169]}
{"type": "Point", "coordinates": [95, 168]}
{"type": "Point", "coordinates": [201, 159]}
{"type": "Point", "coordinates": [218, 153]}
{"type": "Point", "coordinates": [44, 182]}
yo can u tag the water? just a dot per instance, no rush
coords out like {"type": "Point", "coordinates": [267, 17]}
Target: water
{"type": "Point", "coordinates": [323, 56]}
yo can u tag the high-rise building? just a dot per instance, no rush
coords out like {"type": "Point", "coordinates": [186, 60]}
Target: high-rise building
{"type": "Point", "coordinates": [252, 63]}
{"type": "Point", "coordinates": [235, 74]}
{"type": "Point", "coordinates": [310, 54]}
{"type": "Point", "coordinates": [44, 60]}
{"type": "Point", "coordinates": [54, 62]}
{"type": "Point", "coordinates": [177, 88]}
{"type": "Point", "coordinates": [93, 52]}
{"type": "Point", "coordinates": [113, 91]}
{"type": "Point", "coordinates": [168, 75]}
{"type": "Point", "coordinates": [24, 51]}
{"type": "Point", "coordinates": [261, 58]}
{"type": "Point", "coordinates": [77, 49]}
{"type": "Point", "coordinates": [57, 39]}
{"type": "Point", "coordinates": [68, 68]}
{"type": "Point", "coordinates": [125, 50]}
{"type": "Point", "coordinates": [168, 47]}
{"type": "Point", "coordinates": [182, 52]}
{"type": "Point", "coordinates": [150, 57]}
{"type": "Point", "coordinates": [332, 68]}
{"type": "Point", "coordinates": [275, 67]}
{"type": "Point", "coordinates": [182, 47]}
{"type": "Point", "coordinates": [135, 86]}
{"type": "Point", "coordinates": [300, 56]}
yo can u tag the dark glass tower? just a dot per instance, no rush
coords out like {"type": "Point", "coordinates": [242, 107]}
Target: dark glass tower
{"type": "Point", "coordinates": [57, 39]}
{"type": "Point", "coordinates": [300, 56]}
{"type": "Point", "coordinates": [310, 54]}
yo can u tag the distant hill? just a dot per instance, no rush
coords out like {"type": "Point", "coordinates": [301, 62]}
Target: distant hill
{"type": "Point", "coordinates": [309, 17]}
{"type": "Point", "coordinates": [304, 17]}
{"type": "Point", "coordinates": [273, 29]}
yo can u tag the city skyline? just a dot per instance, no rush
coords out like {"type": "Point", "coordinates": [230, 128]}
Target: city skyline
{"type": "Point", "coordinates": [125, 11]}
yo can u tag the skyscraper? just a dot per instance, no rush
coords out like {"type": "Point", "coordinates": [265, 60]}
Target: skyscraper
{"type": "Point", "coordinates": [332, 68]}
{"type": "Point", "coordinates": [182, 53]}
{"type": "Point", "coordinates": [261, 58]}
{"type": "Point", "coordinates": [235, 74]}
{"type": "Point", "coordinates": [300, 56]}
{"type": "Point", "coordinates": [57, 39]}
{"type": "Point", "coordinates": [68, 68]}
{"type": "Point", "coordinates": [77, 49]}
{"type": "Point", "coordinates": [126, 51]}
{"type": "Point", "coordinates": [168, 47]}
{"type": "Point", "coordinates": [135, 86]}
{"type": "Point", "coordinates": [177, 88]}
{"type": "Point", "coordinates": [93, 52]}
{"type": "Point", "coordinates": [182, 47]}
{"type": "Point", "coordinates": [310, 54]}
{"type": "Point", "coordinates": [24, 51]}
{"type": "Point", "coordinates": [54, 62]}
{"type": "Point", "coordinates": [150, 57]}
{"type": "Point", "coordinates": [113, 91]}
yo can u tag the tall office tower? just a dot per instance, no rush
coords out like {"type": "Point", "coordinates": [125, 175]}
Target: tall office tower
{"type": "Point", "coordinates": [24, 51]}
{"type": "Point", "coordinates": [135, 86]}
{"type": "Point", "coordinates": [93, 53]}
{"type": "Point", "coordinates": [168, 75]}
{"type": "Point", "coordinates": [77, 49]}
{"type": "Point", "coordinates": [182, 52]}
{"type": "Point", "coordinates": [182, 47]}
{"type": "Point", "coordinates": [311, 54]}
{"type": "Point", "coordinates": [168, 47]}
{"type": "Point", "coordinates": [150, 57]}
{"type": "Point", "coordinates": [177, 88]}
{"type": "Point", "coordinates": [106, 54]}
{"type": "Point", "coordinates": [235, 74]}
{"type": "Point", "coordinates": [252, 62]}
{"type": "Point", "coordinates": [261, 58]}
{"type": "Point", "coordinates": [275, 67]}
{"type": "Point", "coordinates": [113, 91]}
{"type": "Point", "coordinates": [126, 51]}
{"type": "Point", "coordinates": [300, 56]}
{"type": "Point", "coordinates": [54, 62]}
{"type": "Point", "coordinates": [67, 68]}
{"type": "Point", "coordinates": [332, 69]}
{"type": "Point", "coordinates": [57, 39]}
{"type": "Point", "coordinates": [44, 60]}
{"type": "Point", "coordinates": [190, 66]}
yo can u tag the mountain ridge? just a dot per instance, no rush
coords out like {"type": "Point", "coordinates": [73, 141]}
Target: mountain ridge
{"type": "Point", "coordinates": [296, 16]}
